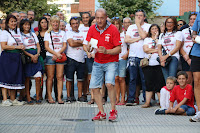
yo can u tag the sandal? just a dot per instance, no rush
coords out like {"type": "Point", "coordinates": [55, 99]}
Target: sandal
{"type": "Point", "coordinates": [61, 102]}
{"type": "Point", "coordinates": [91, 101]}
{"type": "Point", "coordinates": [38, 102]}
{"type": "Point", "coordinates": [121, 103]}
{"type": "Point", "coordinates": [30, 103]}
{"type": "Point", "coordinates": [51, 101]}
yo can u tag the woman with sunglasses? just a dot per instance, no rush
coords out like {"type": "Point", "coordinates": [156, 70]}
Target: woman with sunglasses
{"type": "Point", "coordinates": [55, 44]}
{"type": "Point", "coordinates": [120, 84]}
{"type": "Point", "coordinates": [33, 68]}
{"type": "Point", "coordinates": [170, 40]}
{"type": "Point", "coordinates": [42, 28]}
{"type": "Point", "coordinates": [180, 23]}
{"type": "Point", "coordinates": [152, 73]}
{"type": "Point", "coordinates": [11, 67]}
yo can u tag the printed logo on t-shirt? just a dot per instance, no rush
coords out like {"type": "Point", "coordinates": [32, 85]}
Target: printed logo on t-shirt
{"type": "Point", "coordinates": [167, 40]}
{"type": "Point", "coordinates": [189, 37]}
{"type": "Point", "coordinates": [107, 37]}
{"type": "Point", "coordinates": [136, 34]}
{"type": "Point", "coordinates": [30, 41]}
{"type": "Point", "coordinates": [56, 40]}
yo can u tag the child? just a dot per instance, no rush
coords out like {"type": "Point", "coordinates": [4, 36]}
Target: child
{"type": "Point", "coordinates": [184, 95]}
{"type": "Point", "coordinates": [166, 91]}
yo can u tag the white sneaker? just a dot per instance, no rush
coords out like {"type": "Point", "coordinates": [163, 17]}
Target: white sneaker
{"type": "Point", "coordinates": [17, 103]}
{"type": "Point", "coordinates": [195, 118]}
{"type": "Point", "coordinates": [6, 103]}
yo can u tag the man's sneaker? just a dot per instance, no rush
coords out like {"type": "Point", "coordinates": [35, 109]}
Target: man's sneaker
{"type": "Point", "coordinates": [136, 101]}
{"type": "Point", "coordinates": [160, 111]}
{"type": "Point", "coordinates": [6, 103]}
{"type": "Point", "coordinates": [196, 118]}
{"type": "Point", "coordinates": [82, 100]}
{"type": "Point", "coordinates": [17, 103]}
{"type": "Point", "coordinates": [99, 116]}
{"type": "Point", "coordinates": [69, 100]}
{"type": "Point", "coordinates": [131, 103]}
{"type": "Point", "coordinates": [113, 115]}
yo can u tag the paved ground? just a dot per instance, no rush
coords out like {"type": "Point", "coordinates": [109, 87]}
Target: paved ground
{"type": "Point", "coordinates": [76, 118]}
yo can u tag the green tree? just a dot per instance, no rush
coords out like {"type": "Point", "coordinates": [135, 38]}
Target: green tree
{"type": "Point", "coordinates": [123, 8]}
{"type": "Point", "coordinates": [38, 6]}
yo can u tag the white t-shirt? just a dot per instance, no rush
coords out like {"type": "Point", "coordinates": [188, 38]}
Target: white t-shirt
{"type": "Point", "coordinates": [58, 39]}
{"type": "Point", "coordinates": [153, 59]}
{"type": "Point", "coordinates": [168, 41]}
{"type": "Point", "coordinates": [136, 48]}
{"type": "Point", "coordinates": [84, 30]}
{"type": "Point", "coordinates": [76, 53]}
{"type": "Point", "coordinates": [29, 41]}
{"type": "Point", "coordinates": [123, 45]}
{"type": "Point", "coordinates": [164, 98]}
{"type": "Point", "coordinates": [188, 43]}
{"type": "Point", "coordinates": [6, 37]}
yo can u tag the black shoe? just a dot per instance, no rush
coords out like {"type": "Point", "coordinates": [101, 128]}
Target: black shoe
{"type": "Point", "coordinates": [82, 100]}
{"type": "Point", "coordinates": [130, 103]}
{"type": "Point", "coordinates": [160, 111]}
{"type": "Point", "coordinates": [73, 99]}
{"type": "Point", "coordinates": [69, 100]}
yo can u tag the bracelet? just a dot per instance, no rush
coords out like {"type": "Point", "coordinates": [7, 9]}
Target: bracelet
{"type": "Point", "coordinates": [169, 54]}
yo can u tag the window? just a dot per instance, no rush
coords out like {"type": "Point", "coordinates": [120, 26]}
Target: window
{"type": "Point", "coordinates": [76, 0]}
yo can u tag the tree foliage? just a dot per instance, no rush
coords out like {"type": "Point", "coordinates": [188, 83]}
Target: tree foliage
{"type": "Point", "coordinates": [123, 8]}
{"type": "Point", "coordinates": [38, 6]}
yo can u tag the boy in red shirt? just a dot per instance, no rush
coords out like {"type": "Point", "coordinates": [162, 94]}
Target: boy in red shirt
{"type": "Point", "coordinates": [184, 95]}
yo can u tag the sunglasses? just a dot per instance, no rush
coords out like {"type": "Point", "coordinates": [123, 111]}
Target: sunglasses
{"type": "Point", "coordinates": [25, 19]}
{"type": "Point", "coordinates": [153, 43]}
{"type": "Point", "coordinates": [74, 17]}
{"type": "Point", "coordinates": [179, 24]}
{"type": "Point", "coordinates": [194, 13]}
{"type": "Point", "coordinates": [115, 18]}
{"type": "Point", "coordinates": [140, 10]}
{"type": "Point", "coordinates": [47, 14]}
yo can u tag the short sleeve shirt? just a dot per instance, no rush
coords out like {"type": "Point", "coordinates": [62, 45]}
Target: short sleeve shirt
{"type": "Point", "coordinates": [76, 53]}
{"type": "Point", "coordinates": [196, 27]}
{"type": "Point", "coordinates": [153, 57]}
{"type": "Point", "coordinates": [123, 45]}
{"type": "Point", "coordinates": [187, 39]}
{"type": "Point", "coordinates": [136, 48]}
{"type": "Point", "coordinates": [109, 39]}
{"type": "Point", "coordinates": [168, 41]}
{"type": "Point", "coordinates": [58, 39]}
{"type": "Point", "coordinates": [179, 94]}
{"type": "Point", "coordinates": [6, 37]}
{"type": "Point", "coordinates": [30, 40]}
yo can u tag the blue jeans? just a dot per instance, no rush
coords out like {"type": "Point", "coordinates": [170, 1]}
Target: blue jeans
{"type": "Point", "coordinates": [171, 68]}
{"type": "Point", "coordinates": [189, 110]}
{"type": "Point", "coordinates": [99, 71]}
{"type": "Point", "coordinates": [134, 69]}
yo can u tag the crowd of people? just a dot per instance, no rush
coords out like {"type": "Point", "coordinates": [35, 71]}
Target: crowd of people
{"type": "Point", "coordinates": [111, 57]}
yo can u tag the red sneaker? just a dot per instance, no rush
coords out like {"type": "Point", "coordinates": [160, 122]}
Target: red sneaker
{"type": "Point", "coordinates": [99, 116]}
{"type": "Point", "coordinates": [113, 115]}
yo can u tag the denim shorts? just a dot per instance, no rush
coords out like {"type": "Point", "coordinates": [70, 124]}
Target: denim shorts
{"type": "Point", "coordinates": [189, 110]}
{"type": "Point", "coordinates": [48, 61]}
{"type": "Point", "coordinates": [121, 70]}
{"type": "Point", "coordinates": [99, 71]}
{"type": "Point", "coordinates": [89, 64]}
{"type": "Point", "coordinates": [72, 67]}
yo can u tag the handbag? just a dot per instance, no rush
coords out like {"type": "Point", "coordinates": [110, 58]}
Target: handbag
{"type": "Point", "coordinates": [63, 58]}
{"type": "Point", "coordinates": [168, 60]}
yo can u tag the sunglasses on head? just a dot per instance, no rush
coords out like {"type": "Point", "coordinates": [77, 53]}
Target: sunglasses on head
{"type": "Point", "coordinates": [47, 14]}
{"type": "Point", "coordinates": [140, 10]}
{"type": "Point", "coordinates": [74, 17]}
{"type": "Point", "coordinates": [115, 18]}
{"type": "Point", "coordinates": [25, 19]}
{"type": "Point", "coordinates": [195, 13]}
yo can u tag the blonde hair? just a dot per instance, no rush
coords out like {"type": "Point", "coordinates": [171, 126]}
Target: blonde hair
{"type": "Point", "coordinates": [53, 18]}
{"type": "Point", "coordinates": [171, 78]}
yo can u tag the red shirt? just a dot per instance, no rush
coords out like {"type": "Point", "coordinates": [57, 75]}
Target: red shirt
{"type": "Point", "coordinates": [110, 38]}
{"type": "Point", "coordinates": [179, 94]}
